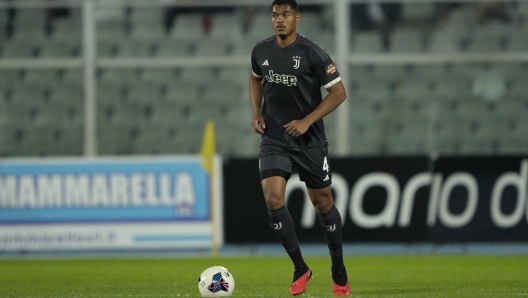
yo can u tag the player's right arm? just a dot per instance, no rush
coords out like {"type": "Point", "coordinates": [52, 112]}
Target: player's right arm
{"type": "Point", "coordinates": [255, 94]}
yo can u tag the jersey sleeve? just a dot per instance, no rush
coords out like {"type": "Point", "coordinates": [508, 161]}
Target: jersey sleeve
{"type": "Point", "coordinates": [255, 67]}
{"type": "Point", "coordinates": [326, 70]}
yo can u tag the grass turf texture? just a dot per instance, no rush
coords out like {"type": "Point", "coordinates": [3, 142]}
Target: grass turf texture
{"type": "Point", "coordinates": [370, 276]}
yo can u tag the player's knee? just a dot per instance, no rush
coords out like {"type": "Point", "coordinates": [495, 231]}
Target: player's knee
{"type": "Point", "coordinates": [323, 202]}
{"type": "Point", "coordinates": [322, 207]}
{"type": "Point", "coordinates": [274, 202]}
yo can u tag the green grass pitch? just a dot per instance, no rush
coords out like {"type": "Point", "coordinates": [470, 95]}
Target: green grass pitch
{"type": "Point", "coordinates": [267, 276]}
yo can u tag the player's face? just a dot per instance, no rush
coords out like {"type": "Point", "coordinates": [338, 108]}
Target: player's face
{"type": "Point", "coordinates": [284, 19]}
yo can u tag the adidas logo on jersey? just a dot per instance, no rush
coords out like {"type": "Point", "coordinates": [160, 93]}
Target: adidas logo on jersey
{"type": "Point", "coordinates": [265, 63]}
{"type": "Point", "coordinates": [281, 78]}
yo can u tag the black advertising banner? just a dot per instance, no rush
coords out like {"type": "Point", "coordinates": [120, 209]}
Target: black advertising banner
{"type": "Point", "coordinates": [398, 199]}
{"type": "Point", "coordinates": [480, 199]}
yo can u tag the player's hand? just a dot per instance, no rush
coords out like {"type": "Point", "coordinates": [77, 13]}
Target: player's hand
{"type": "Point", "coordinates": [258, 123]}
{"type": "Point", "coordinates": [296, 128]}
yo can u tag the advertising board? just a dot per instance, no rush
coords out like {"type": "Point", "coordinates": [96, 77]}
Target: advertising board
{"type": "Point", "coordinates": [394, 199]}
{"type": "Point", "coordinates": [106, 203]}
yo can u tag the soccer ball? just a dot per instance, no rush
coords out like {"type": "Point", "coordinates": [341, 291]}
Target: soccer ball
{"type": "Point", "coordinates": [216, 281]}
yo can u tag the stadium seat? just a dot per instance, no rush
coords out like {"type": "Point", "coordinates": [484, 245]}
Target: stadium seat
{"type": "Point", "coordinates": [187, 138]}
{"type": "Point", "coordinates": [111, 21]}
{"type": "Point", "coordinates": [310, 25]}
{"type": "Point", "coordinates": [174, 48]}
{"type": "Point", "coordinates": [460, 23]}
{"type": "Point", "coordinates": [181, 92]}
{"type": "Point", "coordinates": [450, 87]}
{"type": "Point", "coordinates": [236, 75]}
{"type": "Point", "coordinates": [43, 78]}
{"type": "Point", "coordinates": [18, 49]}
{"type": "Point", "coordinates": [247, 145]}
{"type": "Point", "coordinates": [143, 93]}
{"type": "Point", "coordinates": [69, 94]}
{"type": "Point", "coordinates": [513, 146]}
{"type": "Point", "coordinates": [219, 93]}
{"type": "Point", "coordinates": [367, 42]}
{"type": "Point", "coordinates": [27, 95]}
{"type": "Point", "coordinates": [208, 111]}
{"type": "Point", "coordinates": [432, 72]}
{"type": "Point", "coordinates": [413, 88]}
{"type": "Point", "coordinates": [510, 109]}
{"type": "Point", "coordinates": [375, 90]}
{"type": "Point", "coordinates": [68, 31]}
{"type": "Point", "coordinates": [118, 76]}
{"type": "Point", "coordinates": [445, 133]}
{"type": "Point", "coordinates": [152, 140]}
{"type": "Point", "coordinates": [244, 47]}
{"type": "Point", "coordinates": [489, 86]}
{"type": "Point", "coordinates": [111, 34]}
{"type": "Point", "coordinates": [485, 42]}
{"type": "Point", "coordinates": [59, 49]}
{"type": "Point", "coordinates": [515, 138]}
{"type": "Point", "coordinates": [260, 26]}
{"type": "Point", "coordinates": [8, 78]}
{"type": "Point", "coordinates": [390, 73]}
{"type": "Point", "coordinates": [518, 41]}
{"type": "Point", "coordinates": [406, 41]}
{"type": "Point", "coordinates": [115, 140]}
{"type": "Point", "coordinates": [170, 114]}
{"type": "Point", "coordinates": [13, 115]}
{"type": "Point", "coordinates": [213, 48]}
{"type": "Point", "coordinates": [158, 76]}
{"type": "Point", "coordinates": [326, 41]}
{"type": "Point", "coordinates": [110, 94]}
{"type": "Point", "coordinates": [406, 137]}
{"type": "Point", "coordinates": [8, 140]}
{"type": "Point", "coordinates": [197, 75]}
{"type": "Point", "coordinates": [135, 48]}
{"type": "Point", "coordinates": [119, 115]}
{"type": "Point", "coordinates": [442, 41]}
{"type": "Point", "coordinates": [146, 15]}
{"type": "Point", "coordinates": [74, 76]}
{"type": "Point", "coordinates": [147, 32]}
{"type": "Point", "coordinates": [69, 141]}
{"type": "Point", "coordinates": [226, 26]}
{"type": "Point", "coordinates": [52, 116]}
{"type": "Point", "coordinates": [107, 48]}
{"type": "Point", "coordinates": [29, 23]}
{"type": "Point", "coordinates": [35, 141]}
{"type": "Point", "coordinates": [3, 18]}
{"type": "Point", "coordinates": [188, 27]}
{"type": "Point", "coordinates": [418, 12]}
{"type": "Point", "coordinates": [367, 138]}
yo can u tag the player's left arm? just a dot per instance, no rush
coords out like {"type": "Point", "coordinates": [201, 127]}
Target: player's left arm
{"type": "Point", "coordinates": [336, 95]}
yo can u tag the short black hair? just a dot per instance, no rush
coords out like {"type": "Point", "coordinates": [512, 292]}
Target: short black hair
{"type": "Point", "coordinates": [292, 3]}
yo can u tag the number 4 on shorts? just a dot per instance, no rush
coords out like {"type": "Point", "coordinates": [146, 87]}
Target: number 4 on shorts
{"type": "Point", "coordinates": [325, 165]}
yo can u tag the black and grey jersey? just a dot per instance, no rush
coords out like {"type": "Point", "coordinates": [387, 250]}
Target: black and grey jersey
{"type": "Point", "coordinates": [293, 77]}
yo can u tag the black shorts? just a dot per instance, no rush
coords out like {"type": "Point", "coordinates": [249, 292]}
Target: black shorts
{"type": "Point", "coordinates": [311, 163]}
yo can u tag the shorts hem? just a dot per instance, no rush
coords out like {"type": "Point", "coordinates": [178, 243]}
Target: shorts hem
{"type": "Point", "coordinates": [275, 172]}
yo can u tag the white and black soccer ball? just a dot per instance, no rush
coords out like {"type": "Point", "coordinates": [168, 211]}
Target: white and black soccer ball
{"type": "Point", "coordinates": [216, 281]}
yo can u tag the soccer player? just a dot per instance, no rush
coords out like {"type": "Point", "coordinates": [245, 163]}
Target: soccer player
{"type": "Point", "coordinates": [288, 71]}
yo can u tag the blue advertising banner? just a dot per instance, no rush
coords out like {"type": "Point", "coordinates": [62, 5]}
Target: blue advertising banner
{"type": "Point", "coordinates": [127, 202]}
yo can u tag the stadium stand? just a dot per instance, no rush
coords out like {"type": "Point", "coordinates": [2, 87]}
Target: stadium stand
{"type": "Point", "coordinates": [451, 108]}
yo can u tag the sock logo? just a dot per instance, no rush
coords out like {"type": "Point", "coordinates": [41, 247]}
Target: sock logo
{"type": "Point", "coordinates": [331, 228]}
{"type": "Point", "coordinates": [277, 226]}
